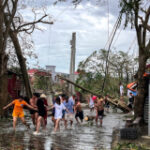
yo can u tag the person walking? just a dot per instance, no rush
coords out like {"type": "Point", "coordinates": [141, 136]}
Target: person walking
{"type": "Point", "coordinates": [78, 110]}
{"type": "Point", "coordinates": [41, 113]}
{"type": "Point", "coordinates": [33, 103]}
{"type": "Point", "coordinates": [43, 96]}
{"type": "Point", "coordinates": [91, 103]}
{"type": "Point", "coordinates": [121, 89]}
{"type": "Point", "coordinates": [69, 104]}
{"type": "Point", "coordinates": [59, 107]}
{"type": "Point", "coordinates": [99, 111]}
{"type": "Point", "coordinates": [18, 110]}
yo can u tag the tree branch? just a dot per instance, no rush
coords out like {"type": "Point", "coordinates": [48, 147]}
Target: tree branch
{"type": "Point", "coordinates": [148, 49]}
{"type": "Point", "coordinates": [5, 4]}
{"type": "Point", "coordinates": [137, 27]}
{"type": "Point", "coordinates": [9, 21]}
{"type": "Point", "coordinates": [145, 25]}
{"type": "Point", "coordinates": [35, 22]}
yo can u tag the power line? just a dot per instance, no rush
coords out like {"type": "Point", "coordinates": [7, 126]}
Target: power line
{"type": "Point", "coordinates": [111, 40]}
{"type": "Point", "coordinates": [108, 16]}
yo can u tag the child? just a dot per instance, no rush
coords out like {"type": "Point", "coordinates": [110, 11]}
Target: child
{"type": "Point", "coordinates": [18, 110]}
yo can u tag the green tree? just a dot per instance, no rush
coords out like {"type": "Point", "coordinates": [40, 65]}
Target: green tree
{"type": "Point", "coordinates": [137, 14]}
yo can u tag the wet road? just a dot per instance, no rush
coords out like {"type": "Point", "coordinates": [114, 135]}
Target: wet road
{"type": "Point", "coordinates": [80, 137]}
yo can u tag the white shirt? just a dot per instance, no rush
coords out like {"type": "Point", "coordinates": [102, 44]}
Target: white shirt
{"type": "Point", "coordinates": [58, 110]}
{"type": "Point", "coordinates": [91, 103]}
{"type": "Point", "coordinates": [121, 88]}
{"type": "Point", "coordinates": [128, 93]}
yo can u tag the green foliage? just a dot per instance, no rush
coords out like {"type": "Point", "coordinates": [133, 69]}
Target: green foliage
{"type": "Point", "coordinates": [129, 146]}
{"type": "Point", "coordinates": [41, 83]}
{"type": "Point", "coordinates": [121, 68]}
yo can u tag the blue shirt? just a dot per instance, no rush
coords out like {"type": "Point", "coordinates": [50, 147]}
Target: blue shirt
{"type": "Point", "coordinates": [69, 106]}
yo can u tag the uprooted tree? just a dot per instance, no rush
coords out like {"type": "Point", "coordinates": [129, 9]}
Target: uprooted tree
{"type": "Point", "coordinates": [137, 13]}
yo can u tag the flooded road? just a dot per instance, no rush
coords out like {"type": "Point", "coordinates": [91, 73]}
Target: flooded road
{"type": "Point", "coordinates": [80, 137]}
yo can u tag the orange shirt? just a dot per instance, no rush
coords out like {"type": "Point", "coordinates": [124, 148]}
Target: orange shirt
{"type": "Point", "coordinates": [18, 105]}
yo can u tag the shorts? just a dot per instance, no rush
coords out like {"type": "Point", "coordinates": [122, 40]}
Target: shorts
{"type": "Point", "coordinates": [80, 115]}
{"type": "Point", "coordinates": [107, 106]}
{"type": "Point", "coordinates": [100, 114]}
{"type": "Point", "coordinates": [53, 112]}
{"type": "Point", "coordinates": [42, 113]}
{"type": "Point", "coordinates": [18, 114]}
{"type": "Point", "coordinates": [63, 114]}
{"type": "Point", "coordinates": [91, 106]}
{"type": "Point", "coordinates": [69, 117]}
{"type": "Point", "coordinates": [32, 112]}
{"type": "Point", "coordinates": [58, 117]}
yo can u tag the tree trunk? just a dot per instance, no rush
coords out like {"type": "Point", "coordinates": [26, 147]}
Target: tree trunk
{"type": "Point", "coordinates": [22, 63]}
{"type": "Point", "coordinates": [3, 81]}
{"type": "Point", "coordinates": [3, 63]}
{"type": "Point", "coordinates": [139, 99]}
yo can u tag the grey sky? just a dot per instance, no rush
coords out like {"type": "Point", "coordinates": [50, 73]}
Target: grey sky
{"type": "Point", "coordinates": [89, 21]}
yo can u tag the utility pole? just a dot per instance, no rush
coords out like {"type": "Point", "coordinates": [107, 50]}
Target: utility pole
{"type": "Point", "coordinates": [72, 62]}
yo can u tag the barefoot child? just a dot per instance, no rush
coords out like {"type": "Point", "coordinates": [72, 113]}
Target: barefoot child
{"type": "Point", "coordinates": [18, 110]}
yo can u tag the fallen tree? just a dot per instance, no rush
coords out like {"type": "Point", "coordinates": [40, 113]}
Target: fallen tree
{"type": "Point", "coordinates": [117, 103]}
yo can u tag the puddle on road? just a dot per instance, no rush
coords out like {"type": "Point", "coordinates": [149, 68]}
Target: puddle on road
{"type": "Point", "coordinates": [80, 137]}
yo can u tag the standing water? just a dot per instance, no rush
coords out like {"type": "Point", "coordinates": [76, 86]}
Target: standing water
{"type": "Point", "coordinates": [81, 137]}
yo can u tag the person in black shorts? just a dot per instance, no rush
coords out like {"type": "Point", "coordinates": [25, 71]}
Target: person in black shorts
{"type": "Point", "coordinates": [99, 111]}
{"type": "Point", "coordinates": [131, 101]}
{"type": "Point", "coordinates": [33, 103]}
{"type": "Point", "coordinates": [100, 114]}
{"type": "Point", "coordinates": [79, 111]}
{"type": "Point", "coordinates": [41, 114]}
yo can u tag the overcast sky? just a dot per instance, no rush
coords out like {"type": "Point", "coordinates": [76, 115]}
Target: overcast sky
{"type": "Point", "coordinates": [90, 22]}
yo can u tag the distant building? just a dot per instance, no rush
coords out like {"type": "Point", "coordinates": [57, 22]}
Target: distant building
{"type": "Point", "coordinates": [37, 72]}
{"type": "Point", "coordinates": [14, 84]}
{"type": "Point", "coordinates": [51, 69]}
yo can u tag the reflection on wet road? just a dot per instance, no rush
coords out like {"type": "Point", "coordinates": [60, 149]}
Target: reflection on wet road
{"type": "Point", "coordinates": [80, 137]}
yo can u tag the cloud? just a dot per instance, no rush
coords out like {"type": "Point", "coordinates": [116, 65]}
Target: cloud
{"type": "Point", "coordinates": [88, 20]}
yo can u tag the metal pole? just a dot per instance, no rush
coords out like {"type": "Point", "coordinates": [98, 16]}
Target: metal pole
{"type": "Point", "coordinates": [149, 108]}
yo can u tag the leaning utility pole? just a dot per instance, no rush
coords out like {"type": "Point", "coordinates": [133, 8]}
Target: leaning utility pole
{"type": "Point", "coordinates": [72, 62]}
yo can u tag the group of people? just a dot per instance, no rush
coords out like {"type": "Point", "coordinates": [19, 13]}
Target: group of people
{"type": "Point", "coordinates": [63, 108]}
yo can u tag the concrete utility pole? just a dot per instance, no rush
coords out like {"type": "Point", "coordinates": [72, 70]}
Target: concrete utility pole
{"type": "Point", "coordinates": [72, 62]}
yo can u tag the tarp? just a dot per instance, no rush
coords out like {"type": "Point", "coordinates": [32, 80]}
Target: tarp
{"type": "Point", "coordinates": [132, 88]}
{"type": "Point", "coordinates": [133, 92]}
